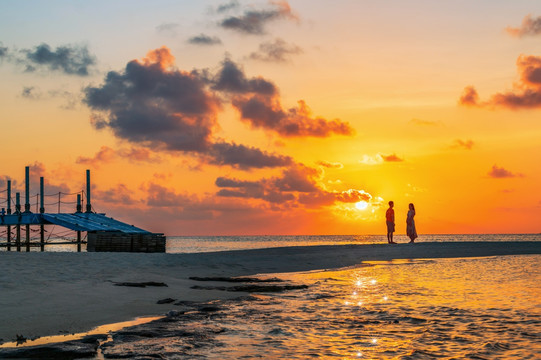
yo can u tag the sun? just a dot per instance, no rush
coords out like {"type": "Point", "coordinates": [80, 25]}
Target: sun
{"type": "Point", "coordinates": [361, 205]}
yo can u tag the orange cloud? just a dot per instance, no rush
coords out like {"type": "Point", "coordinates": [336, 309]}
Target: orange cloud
{"type": "Point", "coordinates": [161, 57]}
{"type": "Point", "coordinates": [529, 27]}
{"type": "Point", "coordinates": [499, 173]}
{"type": "Point", "coordinates": [525, 94]}
{"type": "Point", "coordinates": [463, 144]}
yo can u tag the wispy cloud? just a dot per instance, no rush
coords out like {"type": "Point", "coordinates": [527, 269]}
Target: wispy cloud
{"type": "Point", "coordinates": [499, 173]}
{"type": "Point", "coordinates": [530, 27]}
{"type": "Point", "coordinates": [277, 51]}
{"type": "Point", "coordinates": [463, 144]}
{"type": "Point", "coordinates": [203, 39]}
{"type": "Point", "coordinates": [253, 22]}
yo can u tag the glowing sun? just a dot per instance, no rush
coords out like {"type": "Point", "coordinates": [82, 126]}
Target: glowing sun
{"type": "Point", "coordinates": [361, 205]}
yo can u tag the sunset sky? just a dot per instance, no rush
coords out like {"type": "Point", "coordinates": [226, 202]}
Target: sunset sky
{"type": "Point", "coordinates": [278, 117]}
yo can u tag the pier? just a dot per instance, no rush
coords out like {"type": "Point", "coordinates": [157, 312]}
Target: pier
{"type": "Point", "coordinates": [103, 233]}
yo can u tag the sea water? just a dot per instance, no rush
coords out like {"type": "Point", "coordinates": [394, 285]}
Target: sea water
{"type": "Point", "coordinates": [197, 244]}
{"type": "Point", "coordinates": [467, 308]}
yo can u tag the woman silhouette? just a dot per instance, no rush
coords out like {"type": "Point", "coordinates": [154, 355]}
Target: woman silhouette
{"type": "Point", "coordinates": [410, 229]}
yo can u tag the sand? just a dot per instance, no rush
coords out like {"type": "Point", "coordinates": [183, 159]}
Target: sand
{"type": "Point", "coordinates": [44, 294]}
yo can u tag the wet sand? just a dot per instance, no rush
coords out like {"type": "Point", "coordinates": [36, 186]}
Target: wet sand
{"type": "Point", "coordinates": [45, 294]}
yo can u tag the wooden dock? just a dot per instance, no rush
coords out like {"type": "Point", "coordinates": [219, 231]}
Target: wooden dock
{"type": "Point", "coordinates": [103, 233]}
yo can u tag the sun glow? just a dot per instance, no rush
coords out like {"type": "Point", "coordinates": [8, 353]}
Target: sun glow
{"type": "Point", "coordinates": [361, 205]}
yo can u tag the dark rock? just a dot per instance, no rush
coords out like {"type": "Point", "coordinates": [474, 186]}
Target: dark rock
{"type": "Point", "coordinates": [75, 349]}
{"type": "Point", "coordinates": [165, 301]}
{"type": "Point", "coordinates": [141, 284]}
{"type": "Point", "coordinates": [235, 279]}
{"type": "Point", "coordinates": [252, 288]}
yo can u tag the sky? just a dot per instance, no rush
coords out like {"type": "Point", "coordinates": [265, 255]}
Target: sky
{"type": "Point", "coordinates": [277, 117]}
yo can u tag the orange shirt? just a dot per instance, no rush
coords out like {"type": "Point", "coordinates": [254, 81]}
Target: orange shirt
{"type": "Point", "coordinates": [390, 215]}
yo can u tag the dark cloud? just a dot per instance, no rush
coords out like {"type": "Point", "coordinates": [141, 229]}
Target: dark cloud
{"type": "Point", "coordinates": [529, 27]}
{"type": "Point", "coordinates": [253, 22]}
{"type": "Point", "coordinates": [500, 173]}
{"type": "Point", "coordinates": [228, 6]}
{"type": "Point", "coordinates": [151, 104]}
{"type": "Point", "coordinates": [391, 158]}
{"type": "Point", "coordinates": [296, 185]}
{"type": "Point", "coordinates": [245, 157]}
{"type": "Point", "coordinates": [69, 59]}
{"type": "Point", "coordinates": [3, 51]}
{"type": "Point", "coordinates": [267, 113]}
{"type": "Point", "coordinates": [277, 51]}
{"type": "Point", "coordinates": [231, 78]}
{"type": "Point", "coordinates": [463, 144]}
{"type": "Point", "coordinates": [525, 95]}
{"type": "Point", "coordinates": [203, 39]}
{"type": "Point", "coordinates": [30, 92]}
{"type": "Point", "coordinates": [162, 108]}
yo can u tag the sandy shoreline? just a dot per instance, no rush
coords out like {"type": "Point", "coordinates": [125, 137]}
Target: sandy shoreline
{"type": "Point", "coordinates": [52, 293]}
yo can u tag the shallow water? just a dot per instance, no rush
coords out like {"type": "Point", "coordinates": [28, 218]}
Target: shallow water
{"type": "Point", "coordinates": [481, 308]}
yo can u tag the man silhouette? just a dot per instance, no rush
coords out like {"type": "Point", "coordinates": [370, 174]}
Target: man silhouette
{"type": "Point", "coordinates": [389, 215]}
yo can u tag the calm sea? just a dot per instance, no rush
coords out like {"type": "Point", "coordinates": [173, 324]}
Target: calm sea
{"type": "Point", "coordinates": [195, 244]}
{"type": "Point", "coordinates": [474, 308]}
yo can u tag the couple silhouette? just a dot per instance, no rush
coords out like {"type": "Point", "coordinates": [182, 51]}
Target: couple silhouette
{"type": "Point", "coordinates": [410, 223]}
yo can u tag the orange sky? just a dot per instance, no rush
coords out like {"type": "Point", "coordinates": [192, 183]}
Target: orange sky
{"type": "Point", "coordinates": [258, 117]}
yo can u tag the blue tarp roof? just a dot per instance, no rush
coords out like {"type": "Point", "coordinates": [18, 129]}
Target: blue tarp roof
{"type": "Point", "coordinates": [90, 222]}
{"type": "Point", "coordinates": [75, 221]}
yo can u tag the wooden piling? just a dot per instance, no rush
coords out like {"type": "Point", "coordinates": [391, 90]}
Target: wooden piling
{"type": "Point", "coordinates": [27, 238]}
{"type": "Point", "coordinates": [18, 238]}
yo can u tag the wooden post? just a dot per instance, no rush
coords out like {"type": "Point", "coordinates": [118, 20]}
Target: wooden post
{"type": "Point", "coordinates": [18, 239]}
{"type": "Point", "coordinates": [9, 213]}
{"type": "Point", "coordinates": [88, 204]}
{"type": "Point", "coordinates": [27, 187]}
{"type": "Point", "coordinates": [78, 241]}
{"type": "Point", "coordinates": [18, 212]}
{"type": "Point", "coordinates": [41, 211]}
{"type": "Point", "coordinates": [27, 237]}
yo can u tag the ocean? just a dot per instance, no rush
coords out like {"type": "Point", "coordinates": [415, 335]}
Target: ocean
{"type": "Point", "coordinates": [463, 308]}
{"type": "Point", "coordinates": [467, 308]}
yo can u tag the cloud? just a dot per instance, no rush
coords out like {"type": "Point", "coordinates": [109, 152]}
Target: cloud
{"type": "Point", "coordinates": [103, 156]}
{"type": "Point", "coordinates": [155, 105]}
{"type": "Point", "coordinates": [3, 51]}
{"type": "Point", "coordinates": [253, 22]}
{"type": "Point", "coordinates": [462, 144]}
{"type": "Point", "coordinates": [391, 158]}
{"type": "Point", "coordinates": [203, 39]}
{"type": "Point", "coordinates": [69, 59]}
{"type": "Point", "coordinates": [529, 27]}
{"type": "Point", "coordinates": [469, 97]}
{"type": "Point", "coordinates": [267, 113]}
{"type": "Point", "coordinates": [233, 4]}
{"type": "Point", "coordinates": [500, 173]}
{"type": "Point", "coordinates": [245, 157]}
{"type": "Point", "coordinates": [159, 107]}
{"type": "Point", "coordinates": [168, 28]}
{"type": "Point", "coordinates": [277, 51]}
{"type": "Point", "coordinates": [297, 185]}
{"type": "Point", "coordinates": [120, 194]}
{"type": "Point", "coordinates": [231, 78]}
{"type": "Point", "coordinates": [379, 158]}
{"type": "Point", "coordinates": [107, 155]}
{"type": "Point", "coordinates": [30, 92]}
{"type": "Point", "coordinates": [330, 165]}
{"type": "Point", "coordinates": [526, 93]}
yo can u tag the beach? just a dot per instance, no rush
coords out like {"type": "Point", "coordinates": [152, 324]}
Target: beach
{"type": "Point", "coordinates": [45, 294]}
